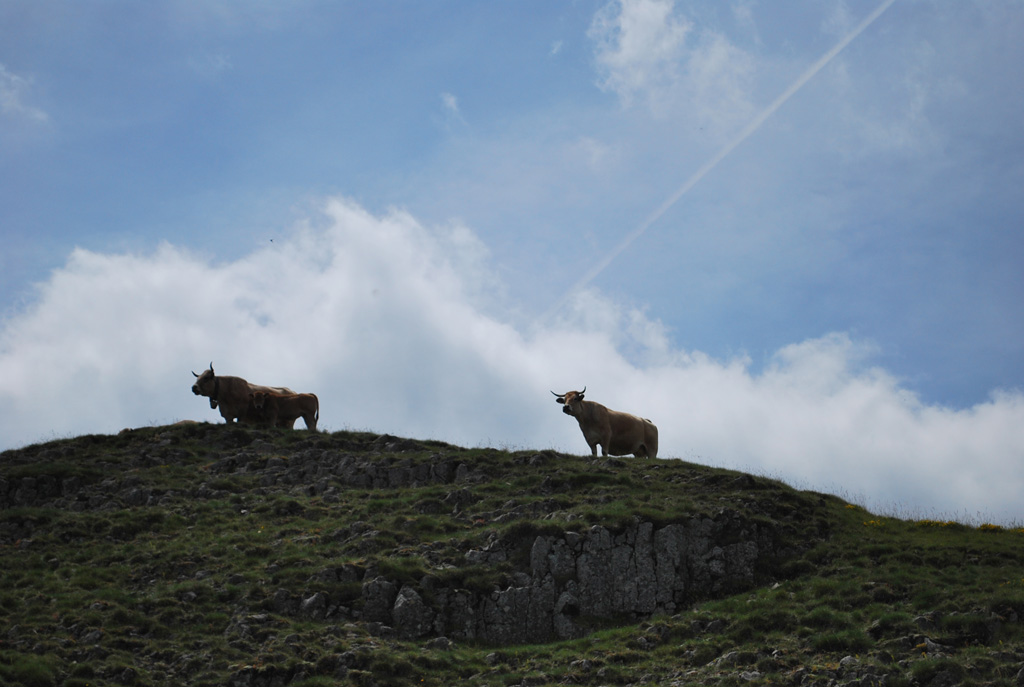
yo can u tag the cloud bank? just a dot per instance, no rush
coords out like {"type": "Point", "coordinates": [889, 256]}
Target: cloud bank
{"type": "Point", "coordinates": [400, 327]}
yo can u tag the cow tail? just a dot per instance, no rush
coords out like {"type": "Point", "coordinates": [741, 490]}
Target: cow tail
{"type": "Point", "coordinates": [316, 415]}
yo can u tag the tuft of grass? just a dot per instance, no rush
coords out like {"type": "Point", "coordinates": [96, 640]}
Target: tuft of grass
{"type": "Point", "coordinates": [28, 669]}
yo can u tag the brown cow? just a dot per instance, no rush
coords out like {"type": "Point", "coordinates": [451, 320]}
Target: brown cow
{"type": "Point", "coordinates": [617, 433]}
{"type": "Point", "coordinates": [231, 394]}
{"type": "Point", "coordinates": [282, 410]}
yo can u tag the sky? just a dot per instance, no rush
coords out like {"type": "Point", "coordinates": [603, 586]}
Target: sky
{"type": "Point", "coordinates": [792, 235]}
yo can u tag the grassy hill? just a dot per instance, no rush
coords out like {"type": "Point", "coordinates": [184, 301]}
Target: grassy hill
{"type": "Point", "coordinates": [214, 555]}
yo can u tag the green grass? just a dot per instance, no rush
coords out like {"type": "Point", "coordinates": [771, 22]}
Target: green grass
{"type": "Point", "coordinates": [186, 581]}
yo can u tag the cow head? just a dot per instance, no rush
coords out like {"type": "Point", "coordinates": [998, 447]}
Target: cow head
{"type": "Point", "coordinates": [571, 401]}
{"type": "Point", "coordinates": [205, 383]}
{"type": "Point", "coordinates": [258, 398]}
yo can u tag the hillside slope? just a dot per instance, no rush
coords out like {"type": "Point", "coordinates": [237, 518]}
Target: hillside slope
{"type": "Point", "coordinates": [214, 555]}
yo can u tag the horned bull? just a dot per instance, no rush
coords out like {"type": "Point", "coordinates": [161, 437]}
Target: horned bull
{"type": "Point", "coordinates": [231, 395]}
{"type": "Point", "coordinates": [617, 433]}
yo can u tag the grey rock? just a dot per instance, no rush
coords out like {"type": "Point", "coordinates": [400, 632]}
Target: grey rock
{"type": "Point", "coordinates": [410, 615]}
{"type": "Point", "coordinates": [314, 607]}
{"type": "Point", "coordinates": [282, 602]}
{"type": "Point", "coordinates": [378, 599]}
{"type": "Point", "coordinates": [439, 644]}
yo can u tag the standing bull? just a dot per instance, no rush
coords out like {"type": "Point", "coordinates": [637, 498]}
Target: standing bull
{"type": "Point", "coordinates": [231, 394]}
{"type": "Point", "coordinates": [617, 433]}
{"type": "Point", "coordinates": [282, 410]}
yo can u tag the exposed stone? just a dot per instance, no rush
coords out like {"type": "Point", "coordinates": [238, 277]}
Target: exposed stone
{"type": "Point", "coordinates": [378, 599]}
{"type": "Point", "coordinates": [314, 607]}
{"type": "Point", "coordinates": [439, 644]}
{"type": "Point", "coordinates": [282, 602]}
{"type": "Point", "coordinates": [410, 615]}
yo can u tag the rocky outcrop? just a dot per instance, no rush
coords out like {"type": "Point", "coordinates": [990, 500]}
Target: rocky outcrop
{"type": "Point", "coordinates": [575, 578]}
{"type": "Point", "coordinates": [554, 584]}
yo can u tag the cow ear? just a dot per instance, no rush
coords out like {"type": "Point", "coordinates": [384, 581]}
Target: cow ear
{"type": "Point", "coordinates": [579, 396]}
{"type": "Point", "coordinates": [560, 399]}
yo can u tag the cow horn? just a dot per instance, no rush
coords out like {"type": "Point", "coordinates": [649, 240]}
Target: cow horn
{"type": "Point", "coordinates": [194, 373]}
{"type": "Point", "coordinates": [552, 393]}
{"type": "Point", "coordinates": [584, 390]}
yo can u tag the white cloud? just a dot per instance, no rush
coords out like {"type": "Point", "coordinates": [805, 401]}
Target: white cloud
{"type": "Point", "coordinates": [451, 107]}
{"type": "Point", "coordinates": [14, 91]}
{"type": "Point", "coordinates": [591, 150]}
{"type": "Point", "coordinates": [838, 21]}
{"type": "Point", "coordinates": [647, 51]}
{"type": "Point", "coordinates": [401, 328]}
{"type": "Point", "coordinates": [639, 45]}
{"type": "Point", "coordinates": [743, 13]}
{"type": "Point", "coordinates": [899, 122]}
{"type": "Point", "coordinates": [450, 102]}
{"type": "Point", "coordinates": [718, 80]}
{"type": "Point", "coordinates": [209, 65]}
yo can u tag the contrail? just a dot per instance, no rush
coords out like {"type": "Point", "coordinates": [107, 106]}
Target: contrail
{"type": "Point", "coordinates": [743, 135]}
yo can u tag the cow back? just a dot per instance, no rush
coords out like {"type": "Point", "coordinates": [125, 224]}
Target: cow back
{"type": "Point", "coordinates": [232, 391]}
{"type": "Point", "coordinates": [253, 388]}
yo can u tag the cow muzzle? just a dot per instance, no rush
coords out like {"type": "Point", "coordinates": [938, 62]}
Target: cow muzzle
{"type": "Point", "coordinates": [195, 389]}
{"type": "Point", "coordinates": [567, 410]}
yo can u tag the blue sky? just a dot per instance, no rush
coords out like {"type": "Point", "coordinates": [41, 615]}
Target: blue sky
{"type": "Point", "coordinates": [417, 210]}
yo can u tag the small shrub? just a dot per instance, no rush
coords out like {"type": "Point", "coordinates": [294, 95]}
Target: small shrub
{"type": "Point", "coordinates": [758, 624]}
{"type": "Point", "coordinates": [35, 671]}
{"type": "Point", "coordinates": [704, 653]}
{"type": "Point", "coordinates": [403, 569]}
{"type": "Point", "coordinates": [969, 627]}
{"type": "Point", "coordinates": [626, 657]}
{"type": "Point", "coordinates": [850, 641]}
{"type": "Point", "coordinates": [824, 618]}
{"type": "Point", "coordinates": [889, 624]}
{"type": "Point", "coordinates": [927, 670]}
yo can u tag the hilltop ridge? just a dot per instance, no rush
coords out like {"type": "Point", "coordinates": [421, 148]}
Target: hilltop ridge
{"type": "Point", "coordinates": [210, 554]}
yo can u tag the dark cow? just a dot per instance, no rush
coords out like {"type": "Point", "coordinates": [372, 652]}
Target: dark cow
{"type": "Point", "coordinates": [231, 394]}
{"type": "Point", "coordinates": [617, 433]}
{"type": "Point", "coordinates": [282, 410]}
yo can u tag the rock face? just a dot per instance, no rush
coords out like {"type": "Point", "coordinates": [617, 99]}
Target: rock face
{"type": "Point", "coordinates": [597, 574]}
